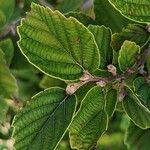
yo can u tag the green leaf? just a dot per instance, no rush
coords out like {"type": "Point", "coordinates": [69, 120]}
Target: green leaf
{"type": "Point", "coordinates": [90, 122]}
{"type": "Point", "coordinates": [48, 82]}
{"type": "Point", "coordinates": [133, 32]}
{"type": "Point", "coordinates": [8, 48]}
{"type": "Point", "coordinates": [111, 102]}
{"type": "Point", "coordinates": [3, 109]}
{"type": "Point", "coordinates": [137, 112]}
{"type": "Point", "coordinates": [81, 17]}
{"type": "Point", "coordinates": [136, 138]}
{"type": "Point", "coordinates": [103, 38]}
{"type": "Point", "coordinates": [6, 10]}
{"type": "Point", "coordinates": [8, 86]}
{"type": "Point", "coordinates": [134, 9]}
{"type": "Point", "coordinates": [141, 88]}
{"type": "Point", "coordinates": [61, 47]}
{"type": "Point", "coordinates": [106, 15]}
{"type": "Point", "coordinates": [127, 55]}
{"type": "Point", "coordinates": [69, 5]}
{"type": "Point", "coordinates": [42, 124]}
{"type": "Point", "coordinates": [83, 90]}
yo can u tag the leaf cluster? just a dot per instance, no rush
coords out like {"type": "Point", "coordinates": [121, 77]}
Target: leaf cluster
{"type": "Point", "coordinates": [93, 69]}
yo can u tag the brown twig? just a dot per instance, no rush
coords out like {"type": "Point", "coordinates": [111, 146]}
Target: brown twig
{"type": "Point", "coordinates": [101, 81]}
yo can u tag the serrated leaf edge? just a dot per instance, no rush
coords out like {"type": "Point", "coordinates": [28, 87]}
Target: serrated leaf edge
{"type": "Point", "coordinates": [31, 101]}
{"type": "Point", "coordinates": [34, 4]}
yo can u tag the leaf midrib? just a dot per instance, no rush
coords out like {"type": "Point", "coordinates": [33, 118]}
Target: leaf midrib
{"type": "Point", "coordinates": [55, 109]}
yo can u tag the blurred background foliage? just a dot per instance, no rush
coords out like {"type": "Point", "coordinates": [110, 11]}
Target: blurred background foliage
{"type": "Point", "coordinates": [19, 80]}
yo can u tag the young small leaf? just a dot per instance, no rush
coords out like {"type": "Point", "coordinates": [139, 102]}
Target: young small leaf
{"type": "Point", "coordinates": [137, 112]}
{"type": "Point", "coordinates": [59, 46]}
{"type": "Point", "coordinates": [90, 122]}
{"type": "Point", "coordinates": [106, 15]}
{"type": "Point", "coordinates": [42, 124]}
{"type": "Point", "coordinates": [111, 101]}
{"type": "Point", "coordinates": [136, 138]}
{"type": "Point", "coordinates": [141, 88]}
{"type": "Point", "coordinates": [127, 55]}
{"type": "Point", "coordinates": [103, 38]}
{"type": "Point", "coordinates": [134, 9]}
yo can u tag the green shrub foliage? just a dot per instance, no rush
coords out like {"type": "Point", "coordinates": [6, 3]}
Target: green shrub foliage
{"type": "Point", "coordinates": [92, 68]}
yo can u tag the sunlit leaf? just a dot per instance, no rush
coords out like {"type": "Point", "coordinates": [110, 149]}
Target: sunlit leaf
{"type": "Point", "coordinates": [127, 55]}
{"type": "Point", "coordinates": [59, 46]}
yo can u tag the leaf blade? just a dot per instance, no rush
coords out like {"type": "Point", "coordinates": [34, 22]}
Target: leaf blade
{"type": "Point", "coordinates": [141, 88]}
{"type": "Point", "coordinates": [134, 9]}
{"type": "Point", "coordinates": [111, 101]}
{"type": "Point", "coordinates": [44, 121]}
{"type": "Point", "coordinates": [90, 122]}
{"type": "Point", "coordinates": [127, 55]}
{"type": "Point", "coordinates": [112, 19]}
{"type": "Point", "coordinates": [136, 135]}
{"type": "Point", "coordinates": [59, 47]}
{"type": "Point", "coordinates": [137, 112]}
{"type": "Point", "coordinates": [132, 32]}
{"type": "Point", "coordinates": [102, 36]}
